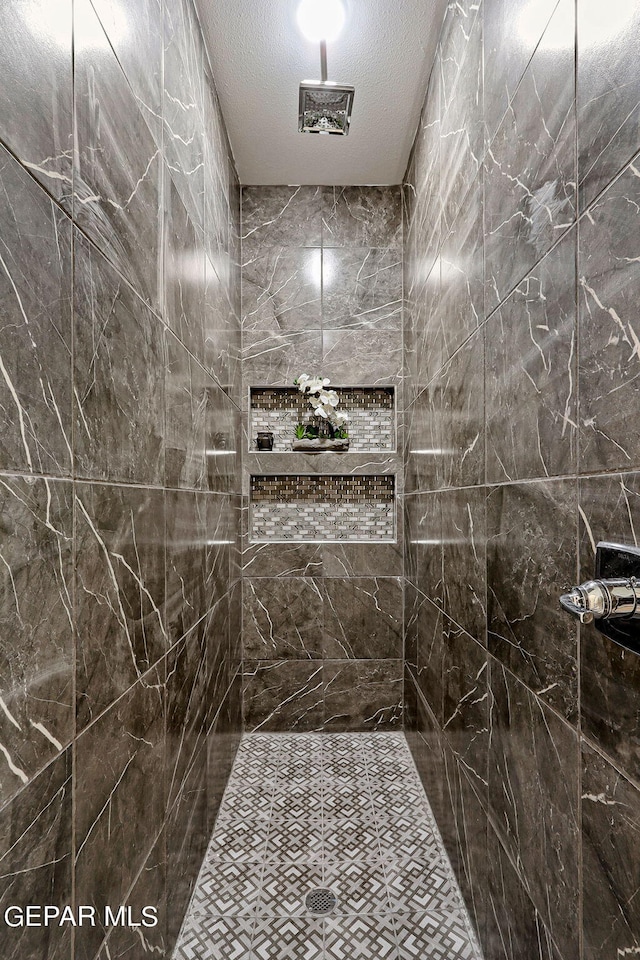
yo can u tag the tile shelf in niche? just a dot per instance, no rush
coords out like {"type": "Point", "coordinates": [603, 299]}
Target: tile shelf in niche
{"type": "Point", "coordinates": [320, 508]}
{"type": "Point", "coordinates": [371, 410]}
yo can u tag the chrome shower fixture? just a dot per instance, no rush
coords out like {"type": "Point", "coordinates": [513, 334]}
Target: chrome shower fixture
{"type": "Point", "coordinates": [325, 106]}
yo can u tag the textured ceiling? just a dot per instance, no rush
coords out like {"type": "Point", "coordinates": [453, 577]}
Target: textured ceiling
{"type": "Point", "coordinates": [259, 58]}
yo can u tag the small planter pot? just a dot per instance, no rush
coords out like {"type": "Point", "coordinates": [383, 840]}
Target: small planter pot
{"type": "Point", "coordinates": [320, 445]}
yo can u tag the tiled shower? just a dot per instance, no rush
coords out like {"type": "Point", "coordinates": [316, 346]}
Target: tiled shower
{"type": "Point", "coordinates": [153, 611]}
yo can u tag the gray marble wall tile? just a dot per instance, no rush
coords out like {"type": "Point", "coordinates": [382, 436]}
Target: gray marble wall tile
{"type": "Point", "coordinates": [186, 533]}
{"type": "Point", "coordinates": [119, 795]}
{"type": "Point", "coordinates": [423, 454]}
{"type": "Point", "coordinates": [361, 216]}
{"type": "Point", "coordinates": [362, 618]}
{"type": "Point", "coordinates": [423, 513]}
{"type": "Point", "coordinates": [466, 842]}
{"type": "Point", "coordinates": [286, 216]}
{"type": "Point", "coordinates": [462, 271]}
{"type": "Point", "coordinates": [184, 274]}
{"type": "Point", "coordinates": [456, 40]}
{"type": "Point", "coordinates": [118, 376]}
{"type": "Point", "coordinates": [120, 592]}
{"type": "Point", "coordinates": [36, 857]}
{"type": "Point", "coordinates": [531, 535]}
{"type": "Point", "coordinates": [282, 619]}
{"type": "Point", "coordinates": [462, 125]}
{"type": "Point", "coordinates": [608, 272]}
{"type": "Point", "coordinates": [530, 178]}
{"type": "Point", "coordinates": [464, 552]}
{"type": "Point", "coordinates": [425, 742]}
{"type": "Point", "coordinates": [366, 357]}
{"type": "Point", "coordinates": [35, 335]}
{"type": "Point", "coordinates": [186, 413]}
{"type": "Point", "coordinates": [281, 287]}
{"type": "Point", "coordinates": [361, 287]}
{"type": "Point", "coordinates": [512, 33]}
{"type": "Point", "coordinates": [429, 655]}
{"type": "Point", "coordinates": [364, 559]}
{"type": "Point", "coordinates": [362, 694]}
{"type": "Point", "coordinates": [611, 847]}
{"type": "Point", "coordinates": [536, 809]}
{"type": "Point", "coordinates": [531, 401]}
{"type": "Point", "coordinates": [274, 358]}
{"type": "Point", "coordinates": [117, 163]}
{"type": "Point", "coordinates": [610, 675]}
{"type": "Point", "coordinates": [183, 105]}
{"type": "Point", "coordinates": [135, 33]}
{"type": "Point", "coordinates": [462, 437]}
{"type": "Point", "coordinates": [283, 695]}
{"type": "Point", "coordinates": [222, 743]}
{"type": "Point", "coordinates": [607, 93]}
{"type": "Point", "coordinates": [186, 843]}
{"type": "Point", "coordinates": [514, 926]}
{"type": "Point", "coordinates": [282, 559]}
{"type": "Point", "coordinates": [37, 641]}
{"type": "Point", "coordinates": [186, 709]}
{"type": "Point", "coordinates": [465, 710]}
{"type": "Point", "coordinates": [37, 79]}
{"type": "Point", "coordinates": [150, 889]}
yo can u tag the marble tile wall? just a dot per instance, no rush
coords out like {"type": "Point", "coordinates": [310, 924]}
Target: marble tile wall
{"type": "Point", "coordinates": [321, 293]}
{"type": "Point", "coordinates": [522, 231]}
{"type": "Point", "coordinates": [120, 683]}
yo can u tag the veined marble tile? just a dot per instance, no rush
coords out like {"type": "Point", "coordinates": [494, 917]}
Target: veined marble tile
{"type": "Point", "coordinates": [120, 592]}
{"type": "Point", "coordinates": [119, 801]}
{"type": "Point", "coordinates": [35, 334]}
{"type": "Point", "coordinates": [530, 176]}
{"type": "Point", "coordinates": [607, 93]}
{"type": "Point", "coordinates": [361, 216]}
{"type": "Point", "coordinates": [531, 535]}
{"type": "Point", "coordinates": [117, 162]}
{"type": "Point", "coordinates": [362, 618]}
{"type": "Point", "coordinates": [36, 855]}
{"type": "Point", "coordinates": [608, 274]}
{"type": "Point", "coordinates": [361, 287]}
{"type": "Point", "coordinates": [285, 216]}
{"type": "Point", "coordinates": [35, 48]}
{"type": "Point", "coordinates": [184, 274]}
{"type": "Point", "coordinates": [465, 712]}
{"type": "Point", "coordinates": [537, 810]}
{"type": "Point", "coordinates": [464, 541]}
{"type": "Point", "coordinates": [119, 378]}
{"type": "Point", "coordinates": [283, 695]}
{"type": "Point", "coordinates": [36, 610]}
{"type": "Point", "coordinates": [283, 618]}
{"type": "Point", "coordinates": [281, 288]}
{"type": "Point", "coordinates": [183, 106]}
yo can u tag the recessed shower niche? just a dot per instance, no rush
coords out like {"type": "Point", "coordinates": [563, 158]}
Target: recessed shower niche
{"type": "Point", "coordinates": [371, 411]}
{"type": "Point", "coordinates": [320, 508]}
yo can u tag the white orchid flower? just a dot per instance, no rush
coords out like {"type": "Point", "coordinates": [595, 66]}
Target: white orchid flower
{"type": "Point", "coordinates": [330, 397]}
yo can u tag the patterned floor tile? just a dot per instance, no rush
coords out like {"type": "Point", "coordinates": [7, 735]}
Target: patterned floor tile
{"type": "Point", "coordinates": [285, 886]}
{"type": "Point", "coordinates": [296, 801]}
{"type": "Point", "coordinates": [398, 799]}
{"type": "Point", "coordinates": [215, 938]}
{"type": "Point", "coordinates": [409, 837]}
{"type": "Point", "coordinates": [288, 938]}
{"type": "Point", "coordinates": [342, 800]}
{"type": "Point", "coordinates": [416, 886]}
{"type": "Point", "coordinates": [351, 840]}
{"type": "Point", "coordinates": [250, 771]}
{"type": "Point", "coordinates": [248, 801]}
{"type": "Point", "coordinates": [360, 937]}
{"type": "Point", "coordinates": [359, 887]}
{"type": "Point", "coordinates": [238, 841]}
{"type": "Point", "coordinates": [294, 841]}
{"type": "Point", "coordinates": [434, 936]}
{"type": "Point", "coordinates": [344, 768]}
{"type": "Point", "coordinates": [300, 770]}
{"type": "Point", "coordinates": [227, 889]}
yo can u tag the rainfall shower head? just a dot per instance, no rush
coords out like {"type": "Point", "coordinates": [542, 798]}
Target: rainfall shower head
{"type": "Point", "coordinates": [325, 107]}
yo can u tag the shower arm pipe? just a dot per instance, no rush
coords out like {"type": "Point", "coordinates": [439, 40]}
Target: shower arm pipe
{"type": "Point", "coordinates": [323, 60]}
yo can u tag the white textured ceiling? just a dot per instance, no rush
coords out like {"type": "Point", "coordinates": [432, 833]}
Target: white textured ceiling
{"type": "Point", "coordinates": [259, 58]}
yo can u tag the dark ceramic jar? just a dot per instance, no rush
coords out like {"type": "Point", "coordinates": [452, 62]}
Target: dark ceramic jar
{"type": "Point", "coordinates": [265, 440]}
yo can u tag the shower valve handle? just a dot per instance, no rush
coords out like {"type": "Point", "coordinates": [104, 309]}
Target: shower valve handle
{"type": "Point", "coordinates": [604, 600]}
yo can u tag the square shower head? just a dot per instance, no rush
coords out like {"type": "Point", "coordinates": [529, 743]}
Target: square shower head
{"type": "Point", "coordinates": [325, 107]}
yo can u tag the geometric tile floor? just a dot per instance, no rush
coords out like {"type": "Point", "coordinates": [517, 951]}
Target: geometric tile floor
{"type": "Point", "coordinates": [340, 811]}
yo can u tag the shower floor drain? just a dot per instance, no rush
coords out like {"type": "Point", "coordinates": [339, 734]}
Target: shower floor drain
{"type": "Point", "coordinates": [321, 901]}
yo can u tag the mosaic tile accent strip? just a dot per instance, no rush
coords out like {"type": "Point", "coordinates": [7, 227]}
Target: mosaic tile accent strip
{"type": "Point", "coordinates": [319, 508]}
{"type": "Point", "coordinates": [396, 895]}
{"type": "Point", "coordinates": [371, 413]}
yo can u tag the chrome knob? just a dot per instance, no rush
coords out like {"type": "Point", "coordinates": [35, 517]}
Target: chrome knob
{"type": "Point", "coordinates": [604, 600]}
